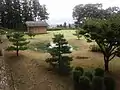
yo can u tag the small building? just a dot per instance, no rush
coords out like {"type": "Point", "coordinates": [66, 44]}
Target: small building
{"type": "Point", "coordinates": [36, 27]}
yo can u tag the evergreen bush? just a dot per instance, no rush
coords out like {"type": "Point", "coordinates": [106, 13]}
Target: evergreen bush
{"type": "Point", "coordinates": [109, 83]}
{"type": "Point", "coordinates": [99, 72]}
{"type": "Point", "coordinates": [98, 83]}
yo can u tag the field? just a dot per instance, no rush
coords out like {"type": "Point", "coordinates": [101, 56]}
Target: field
{"type": "Point", "coordinates": [30, 71]}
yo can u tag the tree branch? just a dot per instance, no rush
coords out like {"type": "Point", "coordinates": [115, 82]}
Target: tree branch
{"type": "Point", "coordinates": [112, 57]}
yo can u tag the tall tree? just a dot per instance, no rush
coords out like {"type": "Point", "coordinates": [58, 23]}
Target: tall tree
{"type": "Point", "coordinates": [2, 9]}
{"type": "Point", "coordinates": [69, 25]}
{"type": "Point", "coordinates": [17, 20]}
{"type": "Point", "coordinates": [106, 33]}
{"type": "Point", "coordinates": [112, 10]}
{"type": "Point", "coordinates": [10, 16]}
{"type": "Point", "coordinates": [43, 15]}
{"type": "Point", "coordinates": [9, 10]}
{"type": "Point", "coordinates": [14, 13]}
{"type": "Point", "coordinates": [26, 12]}
{"type": "Point", "coordinates": [65, 25]}
{"type": "Point", "coordinates": [82, 12]}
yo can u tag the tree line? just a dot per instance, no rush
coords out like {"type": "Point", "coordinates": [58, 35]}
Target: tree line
{"type": "Point", "coordinates": [82, 12]}
{"type": "Point", "coordinates": [14, 13]}
{"type": "Point", "coordinates": [65, 25]}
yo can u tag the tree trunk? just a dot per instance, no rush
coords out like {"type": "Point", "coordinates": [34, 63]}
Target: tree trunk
{"type": "Point", "coordinates": [106, 66]}
{"type": "Point", "coordinates": [106, 63]}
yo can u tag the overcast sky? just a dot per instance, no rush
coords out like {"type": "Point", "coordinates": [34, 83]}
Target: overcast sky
{"type": "Point", "coordinates": [60, 11]}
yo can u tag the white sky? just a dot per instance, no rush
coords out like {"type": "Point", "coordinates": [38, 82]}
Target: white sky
{"type": "Point", "coordinates": [60, 11]}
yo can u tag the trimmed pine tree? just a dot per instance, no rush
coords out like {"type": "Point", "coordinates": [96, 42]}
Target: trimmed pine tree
{"type": "Point", "coordinates": [58, 51]}
{"type": "Point", "coordinates": [18, 43]}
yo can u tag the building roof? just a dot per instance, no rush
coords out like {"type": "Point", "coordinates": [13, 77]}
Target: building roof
{"type": "Point", "coordinates": [36, 23]}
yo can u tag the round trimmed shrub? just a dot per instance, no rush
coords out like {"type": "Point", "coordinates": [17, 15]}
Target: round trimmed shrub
{"type": "Point", "coordinates": [76, 76]}
{"type": "Point", "coordinates": [79, 69]}
{"type": "Point", "coordinates": [98, 83]}
{"type": "Point", "coordinates": [109, 83]}
{"type": "Point", "coordinates": [84, 83]}
{"type": "Point", "coordinates": [99, 72]}
{"type": "Point", "coordinates": [89, 75]}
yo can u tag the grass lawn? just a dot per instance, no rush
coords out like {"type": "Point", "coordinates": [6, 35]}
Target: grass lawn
{"type": "Point", "coordinates": [31, 71]}
{"type": "Point", "coordinates": [40, 41]}
{"type": "Point", "coordinates": [67, 33]}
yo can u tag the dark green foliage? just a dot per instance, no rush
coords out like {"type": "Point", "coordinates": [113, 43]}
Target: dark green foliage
{"type": "Point", "coordinates": [14, 13]}
{"type": "Point", "coordinates": [95, 48]}
{"type": "Point", "coordinates": [39, 11]}
{"type": "Point", "coordinates": [64, 67]}
{"type": "Point", "coordinates": [106, 34]}
{"type": "Point", "coordinates": [79, 69]}
{"type": "Point", "coordinates": [99, 72]}
{"type": "Point", "coordinates": [89, 75]}
{"type": "Point", "coordinates": [31, 35]}
{"type": "Point", "coordinates": [89, 81]}
{"type": "Point", "coordinates": [83, 11]}
{"type": "Point", "coordinates": [76, 75]}
{"type": "Point", "coordinates": [18, 42]}
{"type": "Point", "coordinates": [77, 72]}
{"type": "Point", "coordinates": [109, 83]}
{"type": "Point", "coordinates": [60, 60]}
{"type": "Point", "coordinates": [84, 83]}
{"type": "Point", "coordinates": [98, 83]}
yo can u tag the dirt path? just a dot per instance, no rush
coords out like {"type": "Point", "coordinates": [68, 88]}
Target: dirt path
{"type": "Point", "coordinates": [29, 74]}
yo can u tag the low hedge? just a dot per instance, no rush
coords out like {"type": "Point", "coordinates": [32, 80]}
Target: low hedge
{"type": "Point", "coordinates": [54, 29]}
{"type": "Point", "coordinates": [92, 80]}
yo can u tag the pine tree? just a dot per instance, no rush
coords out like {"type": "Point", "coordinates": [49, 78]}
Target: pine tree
{"type": "Point", "coordinates": [59, 58]}
{"type": "Point", "coordinates": [18, 43]}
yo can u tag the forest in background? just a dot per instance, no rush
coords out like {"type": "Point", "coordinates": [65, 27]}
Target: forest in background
{"type": "Point", "coordinates": [14, 13]}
